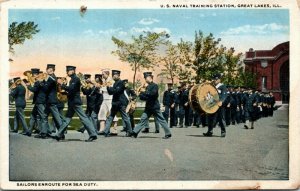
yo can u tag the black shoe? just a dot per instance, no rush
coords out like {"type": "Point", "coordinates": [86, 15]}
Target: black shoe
{"type": "Point", "coordinates": [36, 132]}
{"type": "Point", "coordinates": [14, 131]}
{"type": "Point", "coordinates": [123, 130]}
{"type": "Point", "coordinates": [106, 134]}
{"type": "Point", "coordinates": [156, 131]}
{"type": "Point", "coordinates": [146, 130]}
{"type": "Point", "coordinates": [246, 127]}
{"type": "Point", "coordinates": [113, 134]}
{"type": "Point", "coordinates": [167, 136]}
{"type": "Point", "coordinates": [80, 130]}
{"type": "Point", "coordinates": [27, 134]}
{"type": "Point", "coordinates": [101, 133]}
{"type": "Point", "coordinates": [92, 138]}
{"type": "Point", "coordinates": [252, 127]}
{"type": "Point", "coordinates": [134, 134]}
{"type": "Point", "coordinates": [40, 136]}
{"type": "Point", "coordinates": [128, 134]}
{"type": "Point", "coordinates": [223, 134]}
{"type": "Point", "coordinates": [181, 126]}
{"type": "Point", "coordinates": [208, 134]}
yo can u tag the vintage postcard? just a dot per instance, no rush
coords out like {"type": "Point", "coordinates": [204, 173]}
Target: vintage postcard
{"type": "Point", "coordinates": [149, 94]}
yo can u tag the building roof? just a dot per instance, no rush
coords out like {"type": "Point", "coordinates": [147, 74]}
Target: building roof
{"type": "Point", "coordinates": [275, 53]}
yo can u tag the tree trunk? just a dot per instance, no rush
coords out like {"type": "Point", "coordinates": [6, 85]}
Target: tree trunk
{"type": "Point", "coordinates": [134, 76]}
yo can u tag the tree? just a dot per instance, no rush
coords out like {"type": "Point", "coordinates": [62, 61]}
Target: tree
{"type": "Point", "coordinates": [141, 52]}
{"type": "Point", "coordinates": [204, 57]}
{"type": "Point", "coordinates": [170, 62]}
{"type": "Point", "coordinates": [18, 33]}
{"type": "Point", "coordinates": [232, 67]}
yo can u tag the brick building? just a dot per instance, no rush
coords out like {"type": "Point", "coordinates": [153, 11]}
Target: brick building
{"type": "Point", "coordinates": [272, 69]}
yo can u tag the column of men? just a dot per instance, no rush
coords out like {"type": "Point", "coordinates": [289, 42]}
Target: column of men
{"type": "Point", "coordinates": [105, 98]}
{"type": "Point", "coordinates": [238, 105]}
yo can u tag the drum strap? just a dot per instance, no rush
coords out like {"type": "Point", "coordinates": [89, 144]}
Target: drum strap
{"type": "Point", "coordinates": [126, 95]}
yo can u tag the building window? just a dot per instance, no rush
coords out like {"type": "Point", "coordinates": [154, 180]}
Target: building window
{"type": "Point", "coordinates": [263, 83]}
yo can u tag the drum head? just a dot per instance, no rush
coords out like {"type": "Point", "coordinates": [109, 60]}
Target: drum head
{"type": "Point", "coordinates": [208, 98]}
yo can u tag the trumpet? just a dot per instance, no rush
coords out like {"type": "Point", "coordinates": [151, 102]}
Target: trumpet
{"type": "Point", "coordinates": [83, 82]}
{"type": "Point", "coordinates": [141, 89]}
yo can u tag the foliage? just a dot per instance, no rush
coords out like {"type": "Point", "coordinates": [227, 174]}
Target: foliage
{"type": "Point", "coordinates": [141, 52]}
{"type": "Point", "coordinates": [18, 33]}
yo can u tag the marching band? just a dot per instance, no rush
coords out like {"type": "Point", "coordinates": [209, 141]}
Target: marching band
{"type": "Point", "coordinates": [108, 95]}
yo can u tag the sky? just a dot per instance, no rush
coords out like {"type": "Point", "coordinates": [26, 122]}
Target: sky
{"type": "Point", "coordinates": [67, 38]}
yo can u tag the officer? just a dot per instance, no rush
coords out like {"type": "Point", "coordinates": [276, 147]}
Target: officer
{"type": "Point", "coordinates": [119, 103]}
{"type": "Point", "coordinates": [39, 101]}
{"type": "Point", "coordinates": [131, 96]}
{"type": "Point", "coordinates": [18, 93]}
{"type": "Point", "coordinates": [50, 84]}
{"type": "Point", "coordinates": [92, 93]}
{"type": "Point", "coordinates": [75, 105]}
{"type": "Point", "coordinates": [219, 115]}
{"type": "Point", "coordinates": [169, 104]}
{"type": "Point", "coordinates": [152, 107]}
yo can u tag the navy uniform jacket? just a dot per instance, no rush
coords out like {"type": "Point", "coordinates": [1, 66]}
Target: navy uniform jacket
{"type": "Point", "coordinates": [233, 103]}
{"type": "Point", "coordinates": [118, 93]}
{"type": "Point", "coordinates": [19, 95]}
{"type": "Point", "coordinates": [151, 97]}
{"type": "Point", "coordinates": [185, 97]}
{"type": "Point", "coordinates": [272, 101]}
{"type": "Point", "coordinates": [40, 93]}
{"type": "Point", "coordinates": [238, 98]}
{"type": "Point", "coordinates": [73, 91]}
{"type": "Point", "coordinates": [222, 90]}
{"type": "Point", "coordinates": [51, 87]}
{"type": "Point", "coordinates": [131, 93]}
{"type": "Point", "coordinates": [168, 98]}
{"type": "Point", "coordinates": [91, 96]}
{"type": "Point", "coordinates": [249, 100]}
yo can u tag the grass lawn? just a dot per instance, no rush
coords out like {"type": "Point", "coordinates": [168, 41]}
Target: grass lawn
{"type": "Point", "coordinates": [75, 123]}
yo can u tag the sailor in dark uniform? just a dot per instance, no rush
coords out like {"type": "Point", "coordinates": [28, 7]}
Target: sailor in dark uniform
{"type": "Point", "coordinates": [39, 101]}
{"type": "Point", "coordinates": [131, 96]}
{"type": "Point", "coordinates": [75, 105]}
{"type": "Point", "coordinates": [182, 100]}
{"type": "Point", "coordinates": [50, 84]}
{"type": "Point", "coordinates": [99, 98]}
{"type": "Point", "coordinates": [271, 102]}
{"type": "Point", "coordinates": [238, 104]}
{"type": "Point", "coordinates": [92, 94]}
{"type": "Point", "coordinates": [18, 93]}
{"type": "Point", "coordinates": [233, 106]}
{"type": "Point", "coordinates": [250, 102]}
{"type": "Point", "coordinates": [219, 115]}
{"type": "Point", "coordinates": [169, 104]}
{"type": "Point", "coordinates": [227, 104]}
{"type": "Point", "coordinates": [119, 103]}
{"type": "Point", "coordinates": [152, 107]}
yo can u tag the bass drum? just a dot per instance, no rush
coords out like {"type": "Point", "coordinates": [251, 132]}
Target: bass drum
{"type": "Point", "coordinates": [204, 98]}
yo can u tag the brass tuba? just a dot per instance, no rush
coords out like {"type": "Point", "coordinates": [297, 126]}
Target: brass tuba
{"type": "Point", "coordinates": [29, 76]}
{"type": "Point", "coordinates": [84, 84]}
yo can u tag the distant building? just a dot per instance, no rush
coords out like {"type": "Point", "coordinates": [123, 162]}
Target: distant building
{"type": "Point", "coordinates": [272, 69]}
